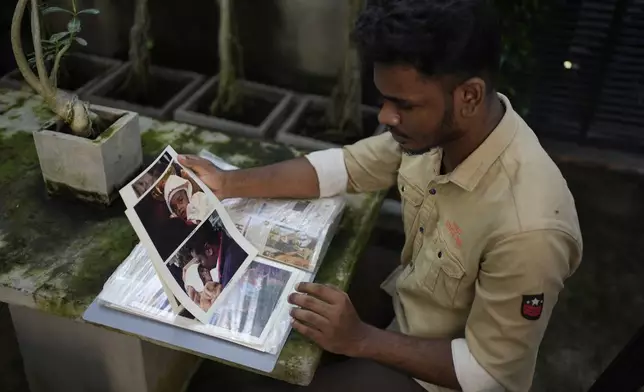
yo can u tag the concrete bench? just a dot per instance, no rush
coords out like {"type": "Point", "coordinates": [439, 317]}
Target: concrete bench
{"type": "Point", "coordinates": [55, 256]}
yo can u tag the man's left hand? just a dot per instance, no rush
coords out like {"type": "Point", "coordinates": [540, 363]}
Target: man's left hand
{"type": "Point", "coordinates": [327, 316]}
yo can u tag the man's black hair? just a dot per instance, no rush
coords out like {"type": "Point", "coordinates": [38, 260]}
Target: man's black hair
{"type": "Point", "coordinates": [202, 237]}
{"type": "Point", "coordinates": [459, 38]}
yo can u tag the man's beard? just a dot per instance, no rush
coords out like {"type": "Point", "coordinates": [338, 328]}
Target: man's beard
{"type": "Point", "coordinates": [444, 133]}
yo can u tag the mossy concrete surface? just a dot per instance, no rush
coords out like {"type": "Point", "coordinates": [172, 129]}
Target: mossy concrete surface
{"type": "Point", "coordinates": [56, 254]}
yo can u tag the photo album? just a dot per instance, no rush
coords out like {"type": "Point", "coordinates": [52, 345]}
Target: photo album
{"type": "Point", "coordinates": [221, 268]}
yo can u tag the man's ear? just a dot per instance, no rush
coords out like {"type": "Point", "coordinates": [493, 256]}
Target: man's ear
{"type": "Point", "coordinates": [471, 93]}
{"type": "Point", "coordinates": [209, 251]}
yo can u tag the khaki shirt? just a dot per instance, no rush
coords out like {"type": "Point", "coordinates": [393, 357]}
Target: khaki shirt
{"type": "Point", "coordinates": [488, 246]}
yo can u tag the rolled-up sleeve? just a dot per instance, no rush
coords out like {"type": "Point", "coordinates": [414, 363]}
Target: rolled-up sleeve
{"type": "Point", "coordinates": [372, 164]}
{"type": "Point", "coordinates": [518, 285]}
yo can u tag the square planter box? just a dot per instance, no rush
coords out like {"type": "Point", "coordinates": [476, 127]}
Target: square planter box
{"type": "Point", "coordinates": [81, 72]}
{"type": "Point", "coordinates": [288, 133]}
{"type": "Point", "coordinates": [267, 107]}
{"type": "Point", "coordinates": [169, 87]}
{"type": "Point", "coordinates": [86, 169]}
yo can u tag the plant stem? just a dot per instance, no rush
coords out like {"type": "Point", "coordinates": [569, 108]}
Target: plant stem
{"type": "Point", "coordinates": [226, 93]}
{"type": "Point", "coordinates": [18, 52]}
{"type": "Point", "coordinates": [344, 113]}
{"type": "Point", "coordinates": [40, 61]}
{"type": "Point", "coordinates": [139, 52]}
{"type": "Point", "coordinates": [53, 76]}
{"type": "Point", "coordinates": [72, 111]}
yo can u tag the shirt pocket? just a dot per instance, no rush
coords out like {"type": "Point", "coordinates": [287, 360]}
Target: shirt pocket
{"type": "Point", "coordinates": [445, 273]}
{"type": "Point", "coordinates": [411, 198]}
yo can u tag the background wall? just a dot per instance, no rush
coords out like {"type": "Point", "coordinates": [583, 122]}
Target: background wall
{"type": "Point", "coordinates": [297, 44]}
{"type": "Point", "coordinates": [290, 43]}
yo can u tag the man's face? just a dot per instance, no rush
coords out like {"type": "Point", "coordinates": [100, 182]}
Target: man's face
{"type": "Point", "coordinates": [419, 113]}
{"type": "Point", "coordinates": [208, 258]}
{"type": "Point", "coordinates": [204, 273]}
{"type": "Point", "coordinates": [143, 183]}
{"type": "Point", "coordinates": [179, 204]}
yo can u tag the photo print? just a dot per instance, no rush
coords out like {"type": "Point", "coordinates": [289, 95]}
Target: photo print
{"type": "Point", "coordinates": [289, 246]}
{"type": "Point", "coordinates": [172, 209]}
{"type": "Point", "coordinates": [194, 245]}
{"type": "Point", "coordinates": [253, 300]}
{"type": "Point", "coordinates": [206, 263]}
{"type": "Point", "coordinates": [138, 187]}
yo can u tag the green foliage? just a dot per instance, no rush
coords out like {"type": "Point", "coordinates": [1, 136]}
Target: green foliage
{"type": "Point", "coordinates": [60, 41]}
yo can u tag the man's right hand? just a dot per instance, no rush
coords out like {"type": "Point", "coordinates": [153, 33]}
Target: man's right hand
{"type": "Point", "coordinates": [292, 179]}
{"type": "Point", "coordinates": [207, 172]}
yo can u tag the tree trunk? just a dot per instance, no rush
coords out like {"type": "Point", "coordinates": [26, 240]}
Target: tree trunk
{"type": "Point", "coordinates": [344, 114]}
{"type": "Point", "coordinates": [74, 112]}
{"type": "Point", "coordinates": [227, 92]}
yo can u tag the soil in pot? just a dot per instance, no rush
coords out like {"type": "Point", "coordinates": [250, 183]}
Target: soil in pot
{"type": "Point", "coordinates": [314, 124]}
{"type": "Point", "coordinates": [251, 109]}
{"type": "Point", "coordinates": [158, 92]}
{"type": "Point", "coordinates": [98, 127]}
{"type": "Point", "coordinates": [74, 73]}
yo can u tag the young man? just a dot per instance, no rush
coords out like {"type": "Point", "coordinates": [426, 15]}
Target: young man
{"type": "Point", "coordinates": [491, 227]}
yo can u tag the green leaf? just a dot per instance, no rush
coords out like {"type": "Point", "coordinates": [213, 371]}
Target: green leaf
{"type": "Point", "coordinates": [74, 25]}
{"type": "Point", "coordinates": [59, 36]}
{"type": "Point", "coordinates": [81, 41]}
{"type": "Point", "coordinates": [51, 10]}
{"type": "Point", "coordinates": [91, 11]}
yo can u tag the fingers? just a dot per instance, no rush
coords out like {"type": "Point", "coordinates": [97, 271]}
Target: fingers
{"type": "Point", "coordinates": [194, 163]}
{"type": "Point", "coordinates": [310, 303]}
{"type": "Point", "coordinates": [309, 332]}
{"type": "Point", "coordinates": [326, 293]}
{"type": "Point", "coordinates": [309, 318]}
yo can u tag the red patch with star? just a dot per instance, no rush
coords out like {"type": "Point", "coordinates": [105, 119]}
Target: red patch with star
{"type": "Point", "coordinates": [531, 306]}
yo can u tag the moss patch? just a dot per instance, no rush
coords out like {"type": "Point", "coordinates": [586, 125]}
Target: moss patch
{"type": "Point", "coordinates": [113, 242]}
{"type": "Point", "coordinates": [61, 250]}
{"type": "Point", "coordinates": [65, 191]}
{"type": "Point", "coordinates": [43, 113]}
{"type": "Point", "coordinates": [18, 154]}
{"type": "Point", "coordinates": [152, 144]}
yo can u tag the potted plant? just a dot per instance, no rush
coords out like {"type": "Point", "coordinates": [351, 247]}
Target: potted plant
{"type": "Point", "coordinates": [319, 122]}
{"type": "Point", "coordinates": [229, 103]}
{"type": "Point", "coordinates": [137, 85]}
{"type": "Point", "coordinates": [75, 72]}
{"type": "Point", "coordinates": [85, 151]}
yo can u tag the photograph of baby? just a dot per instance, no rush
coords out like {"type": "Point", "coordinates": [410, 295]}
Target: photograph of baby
{"type": "Point", "coordinates": [206, 263]}
{"type": "Point", "coordinates": [172, 209]}
{"type": "Point", "coordinates": [132, 192]}
{"type": "Point", "coordinates": [252, 300]}
{"type": "Point", "coordinates": [289, 246]}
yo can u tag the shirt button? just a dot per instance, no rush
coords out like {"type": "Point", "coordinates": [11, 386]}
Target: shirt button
{"type": "Point", "coordinates": [422, 229]}
{"type": "Point", "coordinates": [402, 188]}
{"type": "Point", "coordinates": [432, 191]}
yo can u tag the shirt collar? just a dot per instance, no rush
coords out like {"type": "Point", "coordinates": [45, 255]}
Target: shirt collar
{"type": "Point", "coordinates": [469, 172]}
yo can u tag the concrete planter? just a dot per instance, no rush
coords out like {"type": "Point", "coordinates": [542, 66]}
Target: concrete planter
{"type": "Point", "coordinates": [287, 134]}
{"type": "Point", "coordinates": [91, 170]}
{"type": "Point", "coordinates": [85, 71]}
{"type": "Point", "coordinates": [172, 88]}
{"type": "Point", "coordinates": [275, 100]}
